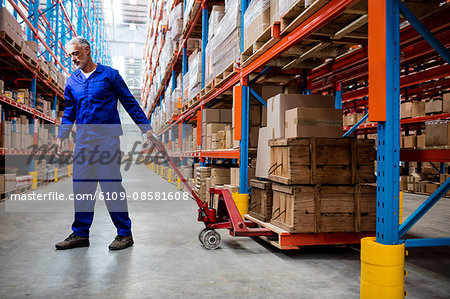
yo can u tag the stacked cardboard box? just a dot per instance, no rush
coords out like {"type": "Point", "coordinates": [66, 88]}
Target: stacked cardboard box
{"type": "Point", "coordinates": [256, 21]}
{"type": "Point", "coordinates": [437, 133]}
{"type": "Point", "coordinates": [7, 182]}
{"type": "Point", "coordinates": [10, 26]}
{"type": "Point", "coordinates": [202, 173]}
{"type": "Point", "coordinates": [276, 122]}
{"type": "Point", "coordinates": [318, 184]}
{"type": "Point", "coordinates": [176, 22]}
{"type": "Point", "coordinates": [29, 49]}
{"type": "Point", "coordinates": [213, 122]}
{"type": "Point", "coordinates": [433, 106]}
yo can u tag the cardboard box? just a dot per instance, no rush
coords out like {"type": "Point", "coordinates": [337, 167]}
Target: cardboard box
{"type": "Point", "coordinates": [313, 122]}
{"type": "Point", "coordinates": [418, 109]}
{"type": "Point", "coordinates": [409, 141]}
{"type": "Point", "coordinates": [228, 139]}
{"type": "Point", "coordinates": [212, 128]}
{"type": "Point", "coordinates": [446, 102]}
{"type": "Point", "coordinates": [431, 188]}
{"type": "Point", "coordinates": [434, 106]}
{"type": "Point", "coordinates": [277, 106]}
{"type": "Point", "coordinates": [263, 116]}
{"type": "Point", "coordinates": [438, 133]}
{"type": "Point", "coordinates": [211, 115]}
{"type": "Point", "coordinates": [421, 140]}
{"type": "Point", "coordinates": [256, 21]}
{"type": "Point", "coordinates": [225, 116]}
{"type": "Point", "coordinates": [263, 153]}
{"type": "Point", "coordinates": [405, 110]}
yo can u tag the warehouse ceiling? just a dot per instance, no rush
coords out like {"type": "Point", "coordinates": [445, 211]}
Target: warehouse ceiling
{"type": "Point", "coordinates": [126, 25]}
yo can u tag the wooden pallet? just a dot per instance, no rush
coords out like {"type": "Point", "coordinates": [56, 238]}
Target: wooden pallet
{"type": "Point", "coordinates": [207, 90]}
{"type": "Point", "coordinates": [5, 195]}
{"type": "Point", "coordinates": [5, 37]}
{"type": "Point", "coordinates": [287, 241]}
{"type": "Point", "coordinates": [30, 60]}
{"type": "Point", "coordinates": [270, 37]}
{"type": "Point", "coordinates": [223, 77]}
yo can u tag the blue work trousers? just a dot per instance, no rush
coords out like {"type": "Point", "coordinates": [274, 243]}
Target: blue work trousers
{"type": "Point", "coordinates": [96, 162]}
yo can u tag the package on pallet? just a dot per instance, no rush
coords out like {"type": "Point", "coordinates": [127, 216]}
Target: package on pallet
{"type": "Point", "coordinates": [278, 105]}
{"type": "Point", "coordinates": [409, 141]}
{"type": "Point", "coordinates": [421, 140]}
{"type": "Point", "coordinates": [446, 103]}
{"type": "Point", "coordinates": [7, 182]}
{"type": "Point", "coordinates": [405, 110]}
{"type": "Point", "coordinates": [256, 21]}
{"type": "Point", "coordinates": [433, 106]}
{"type": "Point", "coordinates": [10, 26]}
{"type": "Point", "coordinates": [187, 11]}
{"type": "Point", "coordinates": [195, 73]}
{"type": "Point", "coordinates": [438, 132]}
{"type": "Point", "coordinates": [225, 44]}
{"type": "Point", "coordinates": [186, 89]}
{"type": "Point", "coordinates": [274, 11]}
{"type": "Point", "coordinates": [313, 122]}
{"type": "Point", "coordinates": [217, 13]}
{"type": "Point", "coordinates": [417, 109]}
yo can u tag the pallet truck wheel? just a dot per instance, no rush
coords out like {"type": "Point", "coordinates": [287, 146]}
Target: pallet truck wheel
{"type": "Point", "coordinates": [202, 233]}
{"type": "Point", "coordinates": [211, 239]}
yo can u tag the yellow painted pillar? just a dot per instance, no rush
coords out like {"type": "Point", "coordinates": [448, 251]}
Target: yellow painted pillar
{"type": "Point", "coordinates": [242, 202]}
{"type": "Point", "coordinates": [178, 183]}
{"type": "Point", "coordinates": [69, 170]}
{"type": "Point", "coordinates": [34, 180]}
{"type": "Point", "coordinates": [169, 174]}
{"type": "Point", "coordinates": [56, 174]}
{"type": "Point", "coordinates": [400, 210]}
{"type": "Point", "coordinates": [382, 270]}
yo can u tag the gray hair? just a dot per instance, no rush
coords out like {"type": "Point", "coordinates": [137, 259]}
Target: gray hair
{"type": "Point", "coordinates": [79, 40]}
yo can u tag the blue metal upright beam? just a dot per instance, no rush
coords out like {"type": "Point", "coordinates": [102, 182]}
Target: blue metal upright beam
{"type": "Point", "coordinates": [204, 38]}
{"type": "Point", "coordinates": [388, 147]}
{"type": "Point", "coordinates": [426, 34]}
{"type": "Point", "coordinates": [56, 42]}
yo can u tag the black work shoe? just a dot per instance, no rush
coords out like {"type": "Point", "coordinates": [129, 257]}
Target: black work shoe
{"type": "Point", "coordinates": [121, 242]}
{"type": "Point", "coordinates": [72, 241]}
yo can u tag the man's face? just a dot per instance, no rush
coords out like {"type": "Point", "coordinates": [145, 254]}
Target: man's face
{"type": "Point", "coordinates": [79, 54]}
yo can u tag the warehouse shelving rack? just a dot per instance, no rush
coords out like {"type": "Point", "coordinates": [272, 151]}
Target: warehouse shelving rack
{"type": "Point", "coordinates": [51, 25]}
{"type": "Point", "coordinates": [347, 78]}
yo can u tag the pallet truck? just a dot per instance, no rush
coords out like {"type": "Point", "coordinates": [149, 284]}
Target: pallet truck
{"type": "Point", "coordinates": [225, 216]}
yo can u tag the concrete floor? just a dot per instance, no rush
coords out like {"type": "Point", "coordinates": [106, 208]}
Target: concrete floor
{"type": "Point", "coordinates": [167, 260]}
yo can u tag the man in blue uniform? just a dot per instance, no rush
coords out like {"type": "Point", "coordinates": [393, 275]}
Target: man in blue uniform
{"type": "Point", "coordinates": [91, 95]}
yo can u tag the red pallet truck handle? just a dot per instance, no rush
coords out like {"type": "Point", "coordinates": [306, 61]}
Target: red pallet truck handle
{"type": "Point", "coordinates": [166, 156]}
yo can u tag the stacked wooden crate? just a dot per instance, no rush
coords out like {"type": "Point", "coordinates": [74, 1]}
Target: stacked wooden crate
{"type": "Point", "coordinates": [320, 184]}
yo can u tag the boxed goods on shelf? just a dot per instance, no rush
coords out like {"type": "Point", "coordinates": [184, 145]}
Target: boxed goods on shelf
{"type": "Point", "coordinates": [405, 110]}
{"type": "Point", "coordinates": [10, 27]}
{"type": "Point", "coordinates": [417, 109]}
{"type": "Point", "coordinates": [313, 122]}
{"type": "Point", "coordinates": [225, 44]}
{"type": "Point", "coordinates": [260, 205]}
{"type": "Point", "coordinates": [256, 21]}
{"type": "Point", "coordinates": [409, 141]}
{"type": "Point", "coordinates": [176, 22]}
{"type": "Point", "coordinates": [217, 13]}
{"type": "Point", "coordinates": [421, 140]}
{"type": "Point", "coordinates": [277, 106]}
{"type": "Point", "coordinates": [438, 132]}
{"type": "Point", "coordinates": [433, 106]}
{"type": "Point", "coordinates": [195, 73]}
{"type": "Point", "coordinates": [7, 182]}
{"type": "Point", "coordinates": [446, 103]}
{"type": "Point", "coordinates": [324, 209]}
{"type": "Point", "coordinates": [337, 161]}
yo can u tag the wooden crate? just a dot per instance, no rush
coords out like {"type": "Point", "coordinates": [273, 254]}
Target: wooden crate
{"type": "Point", "coordinates": [333, 161]}
{"type": "Point", "coordinates": [261, 201]}
{"type": "Point", "coordinates": [324, 209]}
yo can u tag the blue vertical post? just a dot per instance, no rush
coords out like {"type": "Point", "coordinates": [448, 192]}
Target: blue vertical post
{"type": "Point", "coordinates": [174, 80]}
{"type": "Point", "coordinates": [388, 150]}
{"type": "Point", "coordinates": [30, 18]}
{"type": "Point", "coordinates": [80, 21]}
{"type": "Point", "coordinates": [15, 12]}
{"type": "Point", "coordinates": [243, 154]}
{"type": "Point", "coordinates": [48, 35]}
{"type": "Point", "coordinates": [204, 38]}
{"type": "Point", "coordinates": [56, 30]}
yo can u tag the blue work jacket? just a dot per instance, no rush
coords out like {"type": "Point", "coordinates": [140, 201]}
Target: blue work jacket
{"type": "Point", "coordinates": [92, 104]}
